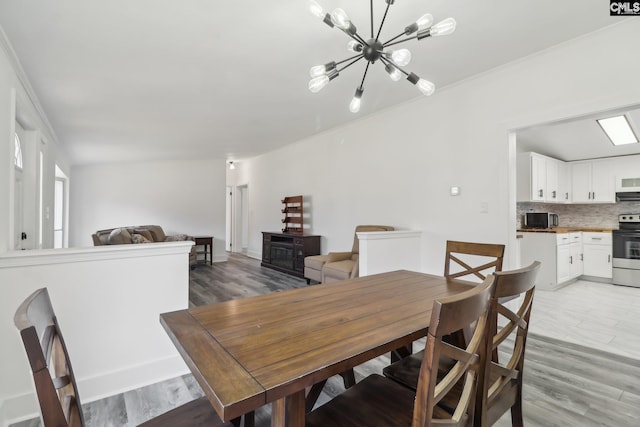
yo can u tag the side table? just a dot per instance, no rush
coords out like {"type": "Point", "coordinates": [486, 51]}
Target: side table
{"type": "Point", "coordinates": [207, 242]}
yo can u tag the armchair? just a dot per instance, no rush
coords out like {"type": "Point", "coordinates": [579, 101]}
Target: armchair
{"type": "Point", "coordinates": [338, 265]}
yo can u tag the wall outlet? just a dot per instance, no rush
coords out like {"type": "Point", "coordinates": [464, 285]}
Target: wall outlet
{"type": "Point", "coordinates": [484, 207]}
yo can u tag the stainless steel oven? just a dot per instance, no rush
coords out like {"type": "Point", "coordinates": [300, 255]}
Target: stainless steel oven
{"type": "Point", "coordinates": [626, 251]}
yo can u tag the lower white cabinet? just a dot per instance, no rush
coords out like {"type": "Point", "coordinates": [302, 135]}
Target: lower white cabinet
{"type": "Point", "coordinates": [566, 256]}
{"type": "Point", "coordinates": [569, 256]}
{"type": "Point", "coordinates": [597, 254]}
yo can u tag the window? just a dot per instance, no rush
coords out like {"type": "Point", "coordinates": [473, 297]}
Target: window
{"type": "Point", "coordinates": [17, 155]}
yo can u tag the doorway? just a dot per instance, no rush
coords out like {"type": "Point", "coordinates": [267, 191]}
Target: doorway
{"type": "Point", "coordinates": [237, 219]}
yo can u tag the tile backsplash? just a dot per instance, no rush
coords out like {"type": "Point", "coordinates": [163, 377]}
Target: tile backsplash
{"type": "Point", "coordinates": [588, 215]}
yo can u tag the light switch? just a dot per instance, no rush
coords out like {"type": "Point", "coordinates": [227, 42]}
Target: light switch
{"type": "Point", "coordinates": [484, 207]}
{"type": "Point", "coordinates": [455, 191]}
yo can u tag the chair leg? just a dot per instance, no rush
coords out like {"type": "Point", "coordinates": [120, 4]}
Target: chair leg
{"type": "Point", "coordinates": [349, 378]}
{"type": "Point", "coordinates": [516, 412]}
{"type": "Point", "coordinates": [401, 353]}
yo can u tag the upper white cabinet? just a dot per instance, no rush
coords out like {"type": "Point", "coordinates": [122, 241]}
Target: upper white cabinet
{"type": "Point", "coordinates": [538, 178]}
{"type": "Point", "coordinates": [593, 181]}
{"type": "Point", "coordinates": [564, 183]}
{"type": "Point", "coordinates": [544, 179]}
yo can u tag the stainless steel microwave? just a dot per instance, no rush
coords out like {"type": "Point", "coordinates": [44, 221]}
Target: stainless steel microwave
{"type": "Point", "coordinates": [540, 220]}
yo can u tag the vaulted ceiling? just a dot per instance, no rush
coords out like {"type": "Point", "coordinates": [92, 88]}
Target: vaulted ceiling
{"type": "Point", "coordinates": [157, 79]}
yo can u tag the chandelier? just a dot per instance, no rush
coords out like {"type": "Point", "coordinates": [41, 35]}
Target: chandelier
{"type": "Point", "coordinates": [373, 49]}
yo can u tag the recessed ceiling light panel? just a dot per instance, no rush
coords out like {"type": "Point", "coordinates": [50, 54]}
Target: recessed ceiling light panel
{"type": "Point", "coordinates": [618, 130]}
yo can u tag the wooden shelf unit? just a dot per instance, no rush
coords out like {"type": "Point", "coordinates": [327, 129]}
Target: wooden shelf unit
{"type": "Point", "coordinates": [293, 210]}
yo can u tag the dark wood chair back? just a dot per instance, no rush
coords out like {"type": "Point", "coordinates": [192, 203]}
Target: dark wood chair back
{"type": "Point", "coordinates": [449, 315]}
{"type": "Point", "coordinates": [501, 381]}
{"type": "Point", "coordinates": [457, 266]}
{"type": "Point", "coordinates": [49, 360]}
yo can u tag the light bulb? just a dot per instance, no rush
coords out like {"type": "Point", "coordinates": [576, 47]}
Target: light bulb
{"type": "Point", "coordinates": [426, 87]}
{"type": "Point", "coordinates": [319, 70]}
{"type": "Point", "coordinates": [401, 57]}
{"type": "Point", "coordinates": [354, 46]}
{"type": "Point", "coordinates": [424, 21]}
{"type": "Point", "coordinates": [340, 19]}
{"type": "Point", "coordinates": [231, 166]}
{"type": "Point", "coordinates": [394, 73]}
{"type": "Point", "coordinates": [354, 107]}
{"type": "Point", "coordinates": [443, 28]}
{"type": "Point", "coordinates": [316, 9]}
{"type": "Point", "coordinates": [316, 84]}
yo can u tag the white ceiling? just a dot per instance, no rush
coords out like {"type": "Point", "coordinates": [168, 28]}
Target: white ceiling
{"type": "Point", "coordinates": [156, 79]}
{"type": "Point", "coordinates": [578, 139]}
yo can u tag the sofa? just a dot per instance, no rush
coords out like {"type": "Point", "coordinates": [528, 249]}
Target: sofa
{"type": "Point", "coordinates": [338, 265]}
{"type": "Point", "coordinates": [140, 234]}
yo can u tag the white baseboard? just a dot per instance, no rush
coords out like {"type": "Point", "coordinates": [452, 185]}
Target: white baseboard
{"type": "Point", "coordinates": [254, 254]}
{"type": "Point", "coordinates": [24, 407]}
{"type": "Point", "coordinates": [19, 408]}
{"type": "Point", "coordinates": [221, 258]}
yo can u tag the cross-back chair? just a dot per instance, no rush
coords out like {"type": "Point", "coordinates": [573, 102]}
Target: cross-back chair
{"type": "Point", "coordinates": [458, 257]}
{"type": "Point", "coordinates": [55, 382]}
{"type": "Point", "coordinates": [377, 401]}
{"type": "Point", "coordinates": [453, 258]}
{"type": "Point", "coordinates": [499, 383]}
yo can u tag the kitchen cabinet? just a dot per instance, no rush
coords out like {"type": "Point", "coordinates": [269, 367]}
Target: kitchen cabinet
{"type": "Point", "coordinates": [559, 253]}
{"type": "Point", "coordinates": [593, 181]}
{"type": "Point", "coordinates": [564, 183]}
{"type": "Point", "coordinates": [538, 178]}
{"type": "Point", "coordinates": [596, 248]}
{"type": "Point", "coordinates": [569, 256]}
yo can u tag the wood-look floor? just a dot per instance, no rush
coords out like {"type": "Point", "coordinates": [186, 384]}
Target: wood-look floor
{"type": "Point", "coordinates": [565, 384]}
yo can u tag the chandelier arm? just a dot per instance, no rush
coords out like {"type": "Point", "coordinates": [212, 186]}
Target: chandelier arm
{"type": "Point", "coordinates": [350, 63]}
{"type": "Point", "coordinates": [383, 19]}
{"type": "Point", "coordinates": [364, 76]}
{"type": "Point", "coordinates": [354, 36]}
{"type": "Point", "coordinates": [387, 44]}
{"type": "Point", "coordinates": [386, 61]}
{"type": "Point", "coordinates": [357, 37]}
{"type": "Point", "coordinates": [395, 38]}
{"type": "Point", "coordinates": [349, 59]}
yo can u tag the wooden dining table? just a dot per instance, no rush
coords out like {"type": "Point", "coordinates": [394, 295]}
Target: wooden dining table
{"type": "Point", "coordinates": [248, 352]}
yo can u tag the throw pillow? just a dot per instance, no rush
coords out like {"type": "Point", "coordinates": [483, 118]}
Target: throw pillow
{"type": "Point", "coordinates": [119, 236]}
{"type": "Point", "coordinates": [139, 238]}
{"type": "Point", "coordinates": [144, 232]}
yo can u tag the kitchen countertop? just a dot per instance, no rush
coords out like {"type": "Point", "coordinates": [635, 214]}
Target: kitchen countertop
{"type": "Point", "coordinates": [564, 230]}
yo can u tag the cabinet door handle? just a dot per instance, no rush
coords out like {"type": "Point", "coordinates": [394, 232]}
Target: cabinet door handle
{"type": "Point", "coordinates": [608, 259]}
{"type": "Point", "coordinates": [596, 238]}
{"type": "Point", "coordinates": [581, 257]}
{"type": "Point", "coordinates": [571, 259]}
{"type": "Point", "coordinates": [539, 193]}
{"type": "Point", "coordinates": [566, 196]}
{"type": "Point", "coordinates": [553, 194]}
{"type": "Point", "coordinates": [594, 195]}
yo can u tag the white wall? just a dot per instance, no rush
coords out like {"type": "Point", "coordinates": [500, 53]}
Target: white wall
{"type": "Point", "coordinates": [115, 342]}
{"type": "Point", "coordinates": [396, 168]}
{"type": "Point", "coordinates": [182, 196]}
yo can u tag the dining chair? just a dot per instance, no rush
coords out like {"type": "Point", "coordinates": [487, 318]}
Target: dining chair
{"type": "Point", "coordinates": [55, 381]}
{"type": "Point", "coordinates": [462, 259]}
{"type": "Point", "coordinates": [377, 401]}
{"type": "Point", "coordinates": [459, 255]}
{"type": "Point", "coordinates": [499, 384]}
